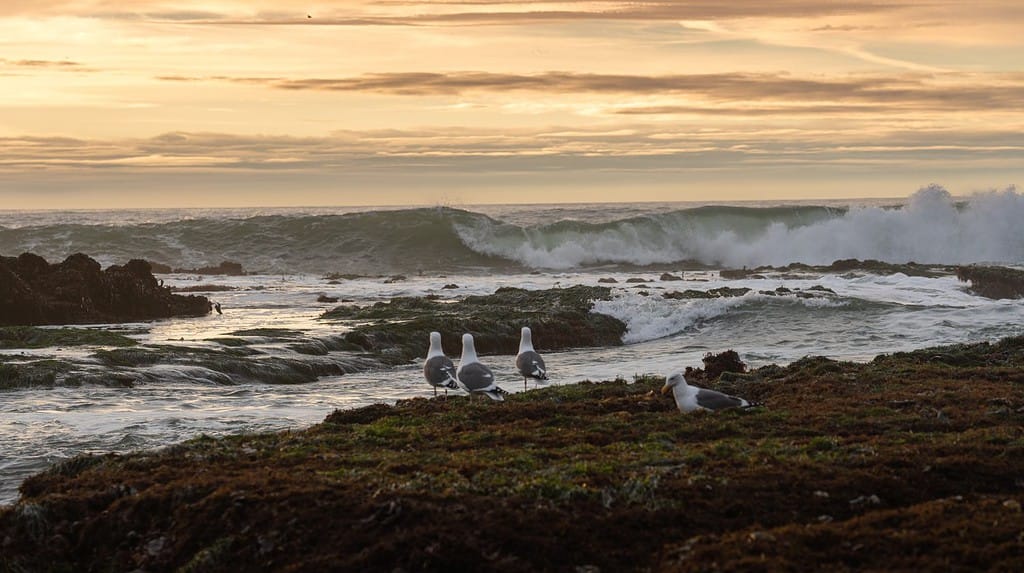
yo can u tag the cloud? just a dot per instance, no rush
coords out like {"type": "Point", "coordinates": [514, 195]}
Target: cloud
{"type": "Point", "coordinates": [347, 12]}
{"type": "Point", "coordinates": [52, 64]}
{"type": "Point", "coordinates": [935, 92]}
{"type": "Point", "coordinates": [461, 150]}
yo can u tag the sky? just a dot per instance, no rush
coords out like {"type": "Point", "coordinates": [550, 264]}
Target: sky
{"type": "Point", "coordinates": [148, 103]}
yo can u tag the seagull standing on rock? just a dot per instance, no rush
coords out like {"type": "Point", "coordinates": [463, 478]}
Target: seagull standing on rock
{"type": "Point", "coordinates": [691, 398]}
{"type": "Point", "coordinates": [473, 376]}
{"type": "Point", "coordinates": [438, 369]}
{"type": "Point", "coordinates": [528, 362]}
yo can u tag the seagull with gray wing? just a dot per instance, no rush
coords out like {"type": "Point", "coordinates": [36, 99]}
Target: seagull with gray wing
{"type": "Point", "coordinates": [528, 361]}
{"type": "Point", "coordinates": [473, 376]}
{"type": "Point", "coordinates": [691, 398]}
{"type": "Point", "coordinates": [438, 369]}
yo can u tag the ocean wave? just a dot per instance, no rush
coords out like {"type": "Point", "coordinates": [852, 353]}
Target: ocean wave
{"type": "Point", "coordinates": [359, 243]}
{"type": "Point", "coordinates": [932, 227]}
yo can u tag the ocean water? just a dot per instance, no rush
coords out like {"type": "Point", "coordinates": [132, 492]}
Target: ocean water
{"type": "Point", "coordinates": [292, 253]}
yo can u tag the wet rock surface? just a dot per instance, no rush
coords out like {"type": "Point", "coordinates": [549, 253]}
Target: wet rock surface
{"type": "Point", "coordinates": [77, 291]}
{"type": "Point", "coordinates": [911, 461]}
{"type": "Point", "coordinates": [993, 282]}
{"type": "Point", "coordinates": [843, 266]}
{"type": "Point", "coordinates": [398, 331]}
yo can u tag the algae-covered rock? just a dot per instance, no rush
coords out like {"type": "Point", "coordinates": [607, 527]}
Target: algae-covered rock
{"type": "Point", "coordinates": [32, 373]}
{"type": "Point", "coordinates": [842, 266]}
{"type": "Point", "coordinates": [560, 319]}
{"type": "Point", "coordinates": [720, 292]}
{"type": "Point", "coordinates": [33, 337]}
{"type": "Point", "coordinates": [993, 282]}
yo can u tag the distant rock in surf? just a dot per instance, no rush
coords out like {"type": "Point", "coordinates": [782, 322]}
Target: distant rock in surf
{"type": "Point", "coordinates": [225, 268]}
{"type": "Point", "coordinates": [77, 291]}
{"type": "Point", "coordinates": [993, 282]}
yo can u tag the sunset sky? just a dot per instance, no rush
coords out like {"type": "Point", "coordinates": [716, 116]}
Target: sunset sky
{"type": "Point", "coordinates": [263, 102]}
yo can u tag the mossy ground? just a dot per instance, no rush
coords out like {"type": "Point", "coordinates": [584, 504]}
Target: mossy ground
{"type": "Point", "coordinates": [913, 461]}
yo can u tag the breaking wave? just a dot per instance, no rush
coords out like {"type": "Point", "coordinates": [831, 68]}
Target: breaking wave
{"type": "Point", "coordinates": [931, 227]}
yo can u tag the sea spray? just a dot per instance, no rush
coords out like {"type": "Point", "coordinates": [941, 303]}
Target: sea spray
{"type": "Point", "coordinates": [931, 228]}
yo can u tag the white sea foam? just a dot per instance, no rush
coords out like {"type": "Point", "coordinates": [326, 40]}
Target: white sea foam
{"type": "Point", "coordinates": [653, 317]}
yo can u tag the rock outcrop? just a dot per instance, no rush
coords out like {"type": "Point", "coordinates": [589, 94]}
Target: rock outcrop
{"type": "Point", "coordinates": [560, 319]}
{"type": "Point", "coordinates": [78, 291]}
{"type": "Point", "coordinates": [993, 282]}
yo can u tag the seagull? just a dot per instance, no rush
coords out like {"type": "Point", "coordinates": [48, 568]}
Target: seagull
{"type": "Point", "coordinates": [691, 398]}
{"type": "Point", "coordinates": [473, 376]}
{"type": "Point", "coordinates": [438, 368]}
{"type": "Point", "coordinates": [528, 362]}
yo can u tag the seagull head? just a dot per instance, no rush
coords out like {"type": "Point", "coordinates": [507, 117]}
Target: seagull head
{"type": "Point", "coordinates": [468, 350]}
{"type": "Point", "coordinates": [673, 380]}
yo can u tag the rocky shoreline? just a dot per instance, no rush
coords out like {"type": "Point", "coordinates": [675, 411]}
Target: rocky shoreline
{"type": "Point", "coordinates": [910, 461]}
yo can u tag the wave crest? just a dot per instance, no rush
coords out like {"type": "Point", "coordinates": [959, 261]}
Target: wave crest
{"type": "Point", "coordinates": [931, 228]}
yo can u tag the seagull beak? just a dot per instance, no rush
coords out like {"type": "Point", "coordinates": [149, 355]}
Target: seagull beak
{"type": "Point", "coordinates": [665, 388]}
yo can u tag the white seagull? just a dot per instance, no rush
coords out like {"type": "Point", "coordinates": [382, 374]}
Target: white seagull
{"type": "Point", "coordinates": [438, 369]}
{"type": "Point", "coordinates": [528, 362]}
{"type": "Point", "coordinates": [473, 376]}
{"type": "Point", "coordinates": [690, 398]}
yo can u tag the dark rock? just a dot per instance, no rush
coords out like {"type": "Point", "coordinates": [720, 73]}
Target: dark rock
{"type": "Point", "coordinates": [450, 286]}
{"type": "Point", "coordinates": [607, 280]}
{"type": "Point", "coordinates": [160, 268]}
{"type": "Point", "coordinates": [720, 292]}
{"type": "Point", "coordinates": [395, 279]}
{"type": "Point", "coordinates": [325, 298]}
{"type": "Point", "coordinates": [715, 365]}
{"type": "Point", "coordinates": [993, 282]}
{"type": "Point", "coordinates": [76, 291]}
{"type": "Point", "coordinates": [636, 280]}
{"type": "Point", "coordinates": [687, 294]}
{"type": "Point", "coordinates": [735, 273]}
{"type": "Point", "coordinates": [225, 268]}
{"type": "Point", "coordinates": [670, 277]}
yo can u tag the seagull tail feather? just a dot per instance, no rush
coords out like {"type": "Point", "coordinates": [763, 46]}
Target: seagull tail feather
{"type": "Point", "coordinates": [497, 395]}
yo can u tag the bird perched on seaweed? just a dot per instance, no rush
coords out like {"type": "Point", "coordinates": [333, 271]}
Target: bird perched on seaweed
{"type": "Point", "coordinates": [438, 369]}
{"type": "Point", "coordinates": [528, 361]}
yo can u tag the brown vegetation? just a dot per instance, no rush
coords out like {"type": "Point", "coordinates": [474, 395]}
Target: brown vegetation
{"type": "Point", "coordinates": [913, 461]}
